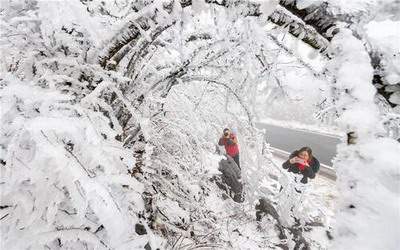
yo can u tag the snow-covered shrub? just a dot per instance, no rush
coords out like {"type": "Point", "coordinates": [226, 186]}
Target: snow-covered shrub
{"type": "Point", "coordinates": [110, 155]}
{"type": "Point", "coordinates": [368, 171]}
{"type": "Point", "coordinates": [65, 181]}
{"type": "Point", "coordinates": [64, 174]}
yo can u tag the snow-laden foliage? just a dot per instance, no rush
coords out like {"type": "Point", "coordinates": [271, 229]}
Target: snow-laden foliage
{"type": "Point", "coordinates": [354, 95]}
{"type": "Point", "coordinates": [111, 112]}
{"type": "Point", "coordinates": [64, 172]}
{"type": "Point", "coordinates": [65, 181]}
{"type": "Point", "coordinates": [64, 178]}
{"type": "Point", "coordinates": [367, 171]}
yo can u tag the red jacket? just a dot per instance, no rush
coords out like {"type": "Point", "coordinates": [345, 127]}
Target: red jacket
{"type": "Point", "coordinates": [302, 166]}
{"type": "Point", "coordinates": [231, 148]}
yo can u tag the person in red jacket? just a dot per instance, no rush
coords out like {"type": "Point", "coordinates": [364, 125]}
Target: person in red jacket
{"type": "Point", "coordinates": [229, 140]}
{"type": "Point", "coordinates": [302, 162]}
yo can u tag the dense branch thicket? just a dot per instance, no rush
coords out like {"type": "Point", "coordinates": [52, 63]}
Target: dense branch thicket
{"type": "Point", "coordinates": [111, 114]}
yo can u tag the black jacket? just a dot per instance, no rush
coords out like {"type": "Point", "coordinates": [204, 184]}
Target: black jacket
{"type": "Point", "coordinates": [307, 172]}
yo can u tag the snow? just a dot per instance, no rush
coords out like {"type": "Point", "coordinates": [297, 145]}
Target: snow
{"type": "Point", "coordinates": [384, 37]}
{"type": "Point", "coordinates": [59, 161]}
{"type": "Point", "coordinates": [357, 164]}
{"type": "Point", "coordinates": [319, 129]}
{"type": "Point", "coordinates": [354, 77]}
{"type": "Point", "coordinates": [318, 203]}
{"type": "Point", "coordinates": [88, 153]}
{"type": "Point", "coordinates": [302, 4]}
{"type": "Point", "coordinates": [56, 14]}
{"type": "Point", "coordinates": [374, 195]}
{"type": "Point", "coordinates": [395, 98]}
{"type": "Point", "coordinates": [268, 6]}
{"type": "Point", "coordinates": [198, 6]}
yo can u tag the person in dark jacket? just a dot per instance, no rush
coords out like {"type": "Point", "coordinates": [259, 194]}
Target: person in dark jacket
{"type": "Point", "coordinates": [302, 162]}
{"type": "Point", "coordinates": [229, 140]}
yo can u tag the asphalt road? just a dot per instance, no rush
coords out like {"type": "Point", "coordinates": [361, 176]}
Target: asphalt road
{"type": "Point", "coordinates": [323, 146]}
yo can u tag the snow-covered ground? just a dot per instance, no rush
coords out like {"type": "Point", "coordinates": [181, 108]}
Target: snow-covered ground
{"type": "Point", "coordinates": [320, 188]}
{"type": "Point", "coordinates": [319, 199]}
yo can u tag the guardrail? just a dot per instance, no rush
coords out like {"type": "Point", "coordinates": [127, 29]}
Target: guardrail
{"type": "Point", "coordinates": [324, 170]}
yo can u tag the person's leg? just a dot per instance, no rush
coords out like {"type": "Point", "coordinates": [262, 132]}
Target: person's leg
{"type": "Point", "coordinates": [236, 159]}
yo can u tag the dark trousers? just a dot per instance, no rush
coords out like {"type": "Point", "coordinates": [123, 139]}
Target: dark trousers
{"type": "Point", "coordinates": [236, 159]}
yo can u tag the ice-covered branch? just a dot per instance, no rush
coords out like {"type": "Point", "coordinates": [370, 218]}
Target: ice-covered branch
{"type": "Point", "coordinates": [151, 16]}
{"type": "Point", "coordinates": [226, 86]}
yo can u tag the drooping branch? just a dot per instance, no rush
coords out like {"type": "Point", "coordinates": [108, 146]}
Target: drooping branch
{"type": "Point", "coordinates": [206, 79]}
{"type": "Point", "coordinates": [143, 49]}
{"type": "Point", "coordinates": [313, 25]}
{"type": "Point", "coordinates": [291, 53]}
{"type": "Point", "coordinates": [298, 28]}
{"type": "Point", "coordinates": [379, 80]}
{"type": "Point", "coordinates": [324, 22]}
{"type": "Point", "coordinates": [131, 32]}
{"type": "Point", "coordinates": [135, 29]}
{"type": "Point", "coordinates": [316, 16]}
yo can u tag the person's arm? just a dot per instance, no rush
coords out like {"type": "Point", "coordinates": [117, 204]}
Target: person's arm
{"type": "Point", "coordinates": [221, 141]}
{"type": "Point", "coordinates": [234, 139]}
{"type": "Point", "coordinates": [231, 140]}
{"type": "Point", "coordinates": [308, 172]}
{"type": "Point", "coordinates": [290, 161]}
{"type": "Point", "coordinates": [315, 165]}
{"type": "Point", "coordinates": [286, 164]}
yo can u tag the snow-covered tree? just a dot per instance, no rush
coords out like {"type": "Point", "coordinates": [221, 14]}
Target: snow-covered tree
{"type": "Point", "coordinates": [111, 111]}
